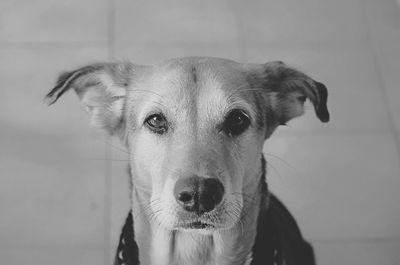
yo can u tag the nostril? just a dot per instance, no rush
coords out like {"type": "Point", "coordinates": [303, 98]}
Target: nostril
{"type": "Point", "coordinates": [211, 194]}
{"type": "Point", "coordinates": [215, 189]}
{"type": "Point", "coordinates": [185, 196]}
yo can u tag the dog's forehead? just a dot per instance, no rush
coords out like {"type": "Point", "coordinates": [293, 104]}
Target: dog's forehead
{"type": "Point", "coordinates": [206, 87]}
{"type": "Point", "coordinates": [194, 74]}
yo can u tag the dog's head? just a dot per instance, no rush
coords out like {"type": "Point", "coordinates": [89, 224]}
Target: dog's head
{"type": "Point", "coordinates": [194, 128]}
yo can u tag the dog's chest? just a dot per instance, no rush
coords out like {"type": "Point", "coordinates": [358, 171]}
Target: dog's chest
{"type": "Point", "coordinates": [193, 249]}
{"type": "Point", "coordinates": [183, 248]}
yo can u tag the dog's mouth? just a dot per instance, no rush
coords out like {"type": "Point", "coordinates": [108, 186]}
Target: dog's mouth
{"type": "Point", "coordinates": [197, 225]}
{"type": "Point", "coordinates": [173, 217]}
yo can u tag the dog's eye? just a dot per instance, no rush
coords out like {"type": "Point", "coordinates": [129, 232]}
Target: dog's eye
{"type": "Point", "coordinates": [236, 122]}
{"type": "Point", "coordinates": [157, 123]}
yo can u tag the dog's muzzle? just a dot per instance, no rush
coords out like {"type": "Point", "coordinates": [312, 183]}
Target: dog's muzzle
{"type": "Point", "coordinates": [198, 195]}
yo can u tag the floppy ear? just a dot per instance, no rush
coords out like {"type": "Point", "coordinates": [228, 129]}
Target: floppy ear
{"type": "Point", "coordinates": [287, 89]}
{"type": "Point", "coordinates": [101, 88]}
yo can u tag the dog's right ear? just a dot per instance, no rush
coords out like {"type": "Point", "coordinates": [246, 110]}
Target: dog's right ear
{"type": "Point", "coordinates": [101, 88]}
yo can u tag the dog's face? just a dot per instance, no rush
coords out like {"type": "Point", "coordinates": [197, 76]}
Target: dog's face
{"type": "Point", "coordinates": [194, 128]}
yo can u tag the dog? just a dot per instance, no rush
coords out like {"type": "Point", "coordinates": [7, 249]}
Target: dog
{"type": "Point", "coordinates": [195, 128]}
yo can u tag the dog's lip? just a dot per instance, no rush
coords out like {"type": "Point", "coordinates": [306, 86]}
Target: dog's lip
{"type": "Point", "coordinates": [200, 225]}
{"type": "Point", "coordinates": [196, 225]}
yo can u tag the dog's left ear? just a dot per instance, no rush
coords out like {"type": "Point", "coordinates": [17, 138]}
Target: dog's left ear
{"type": "Point", "coordinates": [101, 88]}
{"type": "Point", "coordinates": [287, 89]}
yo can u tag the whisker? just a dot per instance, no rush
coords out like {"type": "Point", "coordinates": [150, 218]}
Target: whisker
{"type": "Point", "coordinates": [269, 164]}
{"type": "Point", "coordinates": [123, 150]}
{"type": "Point", "coordinates": [281, 159]}
{"type": "Point", "coordinates": [117, 160]}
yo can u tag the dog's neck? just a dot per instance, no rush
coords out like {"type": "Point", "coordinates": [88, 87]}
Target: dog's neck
{"type": "Point", "coordinates": [158, 246]}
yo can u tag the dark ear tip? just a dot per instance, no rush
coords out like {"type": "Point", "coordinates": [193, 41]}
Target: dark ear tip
{"type": "Point", "coordinates": [52, 96]}
{"type": "Point", "coordinates": [60, 88]}
{"type": "Point", "coordinates": [49, 99]}
{"type": "Point", "coordinates": [324, 116]}
{"type": "Point", "coordinates": [322, 110]}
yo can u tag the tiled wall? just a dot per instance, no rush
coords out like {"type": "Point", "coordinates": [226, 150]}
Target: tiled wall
{"type": "Point", "coordinates": [58, 201]}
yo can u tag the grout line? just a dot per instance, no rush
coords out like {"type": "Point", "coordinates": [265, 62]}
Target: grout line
{"type": "Point", "coordinates": [108, 147]}
{"type": "Point", "coordinates": [157, 45]}
{"type": "Point", "coordinates": [330, 132]}
{"type": "Point", "coordinates": [379, 75]}
{"type": "Point", "coordinates": [111, 30]}
{"type": "Point", "coordinates": [239, 30]}
{"type": "Point", "coordinates": [317, 44]}
{"type": "Point", "coordinates": [52, 44]}
{"type": "Point", "coordinates": [52, 246]}
{"type": "Point", "coordinates": [355, 240]}
{"type": "Point", "coordinates": [107, 198]}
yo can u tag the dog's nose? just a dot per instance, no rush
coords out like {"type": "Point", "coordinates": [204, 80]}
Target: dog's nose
{"type": "Point", "coordinates": [197, 194]}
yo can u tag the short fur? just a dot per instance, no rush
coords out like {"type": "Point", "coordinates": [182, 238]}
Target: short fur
{"type": "Point", "coordinates": [195, 96]}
